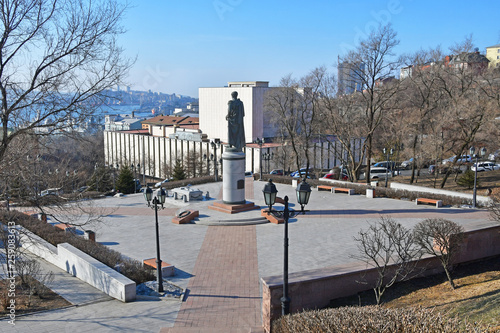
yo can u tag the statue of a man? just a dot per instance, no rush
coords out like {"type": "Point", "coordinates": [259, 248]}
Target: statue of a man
{"type": "Point", "coordinates": [235, 114]}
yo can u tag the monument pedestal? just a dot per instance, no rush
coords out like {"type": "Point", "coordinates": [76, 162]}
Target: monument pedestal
{"type": "Point", "coordinates": [233, 209]}
{"type": "Point", "coordinates": [233, 177]}
{"type": "Point", "coordinates": [233, 184]}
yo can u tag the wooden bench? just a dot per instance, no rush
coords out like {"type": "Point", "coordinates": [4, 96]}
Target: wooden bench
{"type": "Point", "coordinates": [270, 217]}
{"type": "Point", "coordinates": [65, 227]}
{"type": "Point", "coordinates": [185, 217]}
{"type": "Point", "coordinates": [438, 203]}
{"type": "Point", "coordinates": [324, 188]}
{"type": "Point", "coordinates": [349, 191]}
{"type": "Point", "coordinates": [166, 268]}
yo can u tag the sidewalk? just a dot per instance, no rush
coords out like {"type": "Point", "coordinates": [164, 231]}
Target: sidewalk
{"type": "Point", "coordinates": [220, 266]}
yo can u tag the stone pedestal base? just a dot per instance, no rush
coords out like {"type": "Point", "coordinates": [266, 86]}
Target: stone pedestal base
{"type": "Point", "coordinates": [233, 209]}
{"type": "Point", "coordinates": [233, 177]}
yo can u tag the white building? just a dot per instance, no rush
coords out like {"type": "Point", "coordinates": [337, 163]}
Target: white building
{"type": "Point", "coordinates": [165, 139]}
{"type": "Point", "coordinates": [123, 122]}
{"type": "Point", "coordinates": [213, 109]}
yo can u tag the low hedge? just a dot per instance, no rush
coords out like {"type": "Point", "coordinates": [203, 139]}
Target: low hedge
{"type": "Point", "coordinates": [133, 269]}
{"type": "Point", "coordinates": [372, 319]}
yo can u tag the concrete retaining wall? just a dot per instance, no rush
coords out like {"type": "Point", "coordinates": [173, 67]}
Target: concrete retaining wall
{"type": "Point", "coordinates": [316, 288]}
{"type": "Point", "coordinates": [95, 273]}
{"type": "Point", "coordinates": [412, 188]}
{"type": "Point", "coordinates": [82, 266]}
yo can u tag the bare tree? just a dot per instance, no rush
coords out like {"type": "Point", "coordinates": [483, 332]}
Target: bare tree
{"type": "Point", "coordinates": [371, 64]}
{"type": "Point", "coordinates": [419, 107]}
{"type": "Point", "coordinates": [33, 278]}
{"type": "Point", "coordinates": [57, 57]}
{"type": "Point", "coordinates": [440, 238]}
{"type": "Point", "coordinates": [389, 248]}
{"type": "Point", "coordinates": [343, 123]}
{"type": "Point", "coordinates": [294, 110]}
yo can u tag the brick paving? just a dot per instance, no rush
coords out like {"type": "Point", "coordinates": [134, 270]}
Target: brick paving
{"type": "Point", "coordinates": [224, 294]}
{"type": "Point", "coordinates": [220, 266]}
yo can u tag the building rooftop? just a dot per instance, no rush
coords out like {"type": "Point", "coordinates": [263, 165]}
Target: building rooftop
{"type": "Point", "coordinates": [172, 120]}
{"type": "Point", "coordinates": [235, 84]}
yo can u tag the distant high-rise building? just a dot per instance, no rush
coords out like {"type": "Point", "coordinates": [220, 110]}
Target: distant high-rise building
{"type": "Point", "coordinates": [350, 77]}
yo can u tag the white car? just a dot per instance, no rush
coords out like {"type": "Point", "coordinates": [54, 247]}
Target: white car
{"type": "Point", "coordinates": [485, 166]}
{"type": "Point", "coordinates": [379, 172]}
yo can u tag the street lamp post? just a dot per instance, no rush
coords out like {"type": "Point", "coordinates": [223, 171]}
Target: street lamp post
{"type": "Point", "coordinates": [159, 199]}
{"type": "Point", "coordinates": [267, 157]}
{"type": "Point", "coordinates": [303, 191]}
{"type": "Point", "coordinates": [260, 142]}
{"type": "Point", "coordinates": [96, 177]}
{"type": "Point", "coordinates": [388, 151]}
{"type": "Point", "coordinates": [214, 145]}
{"type": "Point", "coordinates": [472, 150]}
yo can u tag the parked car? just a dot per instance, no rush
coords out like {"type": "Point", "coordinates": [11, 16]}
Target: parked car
{"type": "Point", "coordinates": [379, 172]}
{"type": "Point", "coordinates": [301, 172]}
{"type": "Point", "coordinates": [278, 172]}
{"type": "Point", "coordinates": [386, 164]}
{"type": "Point", "coordinates": [432, 169]}
{"type": "Point", "coordinates": [485, 166]}
{"type": "Point", "coordinates": [336, 176]}
{"type": "Point", "coordinates": [52, 191]}
{"type": "Point", "coordinates": [248, 173]}
{"type": "Point", "coordinates": [407, 164]}
{"type": "Point", "coordinates": [310, 175]}
{"type": "Point", "coordinates": [461, 159]}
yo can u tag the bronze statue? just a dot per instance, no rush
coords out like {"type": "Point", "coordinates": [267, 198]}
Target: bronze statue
{"type": "Point", "coordinates": [235, 114]}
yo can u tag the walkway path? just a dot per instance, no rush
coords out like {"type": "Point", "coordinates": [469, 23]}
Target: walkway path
{"type": "Point", "coordinates": [223, 295]}
{"type": "Point", "coordinates": [220, 266]}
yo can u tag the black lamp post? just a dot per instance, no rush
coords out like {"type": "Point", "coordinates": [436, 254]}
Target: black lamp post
{"type": "Point", "coordinates": [270, 192]}
{"type": "Point", "coordinates": [214, 145]}
{"type": "Point", "coordinates": [472, 150]}
{"type": "Point", "coordinates": [267, 157]}
{"type": "Point", "coordinates": [260, 142]}
{"type": "Point", "coordinates": [96, 177]}
{"type": "Point", "coordinates": [303, 191]}
{"type": "Point", "coordinates": [159, 199]}
{"type": "Point", "coordinates": [388, 151]}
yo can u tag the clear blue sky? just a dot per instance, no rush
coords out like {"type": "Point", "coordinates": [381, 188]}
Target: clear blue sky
{"type": "Point", "coordinates": [182, 45]}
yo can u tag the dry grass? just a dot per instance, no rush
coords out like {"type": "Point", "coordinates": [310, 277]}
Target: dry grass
{"type": "Point", "coordinates": [49, 301]}
{"type": "Point", "coordinates": [476, 298]}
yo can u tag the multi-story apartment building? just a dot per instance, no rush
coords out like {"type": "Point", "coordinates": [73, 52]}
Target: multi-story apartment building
{"type": "Point", "coordinates": [350, 77]}
{"type": "Point", "coordinates": [493, 55]}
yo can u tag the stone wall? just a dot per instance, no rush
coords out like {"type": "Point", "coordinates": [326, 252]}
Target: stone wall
{"type": "Point", "coordinates": [412, 188]}
{"type": "Point", "coordinates": [315, 289]}
{"type": "Point", "coordinates": [82, 266]}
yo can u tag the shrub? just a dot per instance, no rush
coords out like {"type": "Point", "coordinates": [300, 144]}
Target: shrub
{"type": "Point", "coordinates": [130, 268]}
{"type": "Point", "coordinates": [371, 319]}
{"type": "Point", "coordinates": [467, 179]}
{"type": "Point", "coordinates": [125, 182]}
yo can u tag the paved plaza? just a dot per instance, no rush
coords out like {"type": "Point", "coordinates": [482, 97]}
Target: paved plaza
{"type": "Point", "coordinates": [220, 265]}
